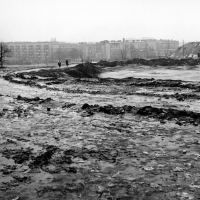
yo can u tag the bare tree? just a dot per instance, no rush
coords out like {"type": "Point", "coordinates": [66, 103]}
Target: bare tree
{"type": "Point", "coordinates": [74, 54]}
{"type": "Point", "coordinates": [150, 52]}
{"type": "Point", "coordinates": [60, 54]}
{"type": "Point", "coordinates": [132, 51]}
{"type": "Point", "coordinates": [4, 53]}
{"type": "Point", "coordinates": [123, 52]}
{"type": "Point", "coordinates": [81, 55]}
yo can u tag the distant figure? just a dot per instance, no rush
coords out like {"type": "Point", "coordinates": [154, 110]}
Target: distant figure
{"type": "Point", "coordinates": [59, 64]}
{"type": "Point", "coordinates": [67, 63]}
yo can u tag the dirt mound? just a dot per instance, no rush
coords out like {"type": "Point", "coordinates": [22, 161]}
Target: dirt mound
{"type": "Point", "coordinates": [87, 70]}
{"type": "Point", "coordinates": [110, 64]}
{"type": "Point", "coordinates": [152, 62]}
{"type": "Point", "coordinates": [189, 50]}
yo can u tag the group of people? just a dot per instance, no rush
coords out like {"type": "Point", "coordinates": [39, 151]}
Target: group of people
{"type": "Point", "coordinates": [66, 62]}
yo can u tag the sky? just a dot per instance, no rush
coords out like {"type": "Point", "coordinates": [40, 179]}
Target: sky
{"type": "Point", "coordinates": [97, 20]}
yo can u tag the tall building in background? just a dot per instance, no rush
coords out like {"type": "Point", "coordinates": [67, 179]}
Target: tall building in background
{"type": "Point", "coordinates": [40, 52]}
{"type": "Point", "coordinates": [166, 47]}
{"type": "Point", "coordinates": [51, 52]}
{"type": "Point", "coordinates": [134, 48]}
{"type": "Point", "coordinates": [30, 52]}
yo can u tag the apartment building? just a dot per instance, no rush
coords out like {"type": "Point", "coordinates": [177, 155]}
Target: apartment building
{"type": "Point", "coordinates": [88, 50]}
{"type": "Point", "coordinates": [143, 48]}
{"type": "Point", "coordinates": [166, 47]}
{"type": "Point", "coordinates": [62, 51]}
{"type": "Point", "coordinates": [39, 52]}
{"type": "Point", "coordinates": [45, 52]}
{"type": "Point", "coordinates": [29, 52]}
{"type": "Point", "coordinates": [125, 49]}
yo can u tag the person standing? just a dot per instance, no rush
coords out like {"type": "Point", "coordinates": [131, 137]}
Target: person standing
{"type": "Point", "coordinates": [67, 63]}
{"type": "Point", "coordinates": [59, 64]}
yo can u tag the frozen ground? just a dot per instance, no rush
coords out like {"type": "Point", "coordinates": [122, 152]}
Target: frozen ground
{"type": "Point", "coordinates": [114, 152]}
{"type": "Point", "coordinates": [161, 73]}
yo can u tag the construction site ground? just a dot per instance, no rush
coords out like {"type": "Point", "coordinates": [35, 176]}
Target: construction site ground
{"type": "Point", "coordinates": [128, 133]}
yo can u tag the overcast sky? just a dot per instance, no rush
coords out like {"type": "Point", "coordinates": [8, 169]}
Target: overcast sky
{"type": "Point", "coordinates": [96, 20]}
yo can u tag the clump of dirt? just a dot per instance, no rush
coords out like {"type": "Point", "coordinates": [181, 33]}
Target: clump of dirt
{"type": "Point", "coordinates": [177, 96]}
{"type": "Point", "coordinates": [151, 62]}
{"type": "Point", "coordinates": [35, 99]}
{"type": "Point", "coordinates": [18, 111]}
{"type": "Point", "coordinates": [182, 97]}
{"type": "Point", "coordinates": [43, 158]}
{"type": "Point", "coordinates": [109, 109]}
{"type": "Point", "coordinates": [18, 155]}
{"type": "Point", "coordinates": [180, 116]}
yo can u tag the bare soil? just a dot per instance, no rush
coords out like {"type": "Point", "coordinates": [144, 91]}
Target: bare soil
{"type": "Point", "coordinates": [99, 138]}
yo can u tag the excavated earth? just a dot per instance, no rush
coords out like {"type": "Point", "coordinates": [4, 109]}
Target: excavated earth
{"type": "Point", "coordinates": [68, 134]}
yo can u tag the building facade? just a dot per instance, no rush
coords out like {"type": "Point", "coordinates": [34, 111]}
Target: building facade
{"type": "Point", "coordinates": [46, 52]}
{"type": "Point", "coordinates": [166, 48]}
{"type": "Point", "coordinates": [144, 48]}
{"type": "Point", "coordinates": [30, 52]}
{"type": "Point", "coordinates": [39, 52]}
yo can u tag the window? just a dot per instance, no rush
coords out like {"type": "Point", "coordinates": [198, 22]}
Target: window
{"type": "Point", "coordinates": [30, 47]}
{"type": "Point", "coordinates": [46, 46]}
{"type": "Point", "coordinates": [11, 48]}
{"type": "Point", "coordinates": [38, 47]}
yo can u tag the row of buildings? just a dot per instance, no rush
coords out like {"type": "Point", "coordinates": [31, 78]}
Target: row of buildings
{"type": "Point", "coordinates": [46, 52]}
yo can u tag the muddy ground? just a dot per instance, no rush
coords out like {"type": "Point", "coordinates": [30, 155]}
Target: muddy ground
{"type": "Point", "coordinates": [98, 138]}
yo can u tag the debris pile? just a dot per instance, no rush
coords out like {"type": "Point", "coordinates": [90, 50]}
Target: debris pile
{"type": "Point", "coordinates": [152, 62]}
{"type": "Point", "coordinates": [87, 70]}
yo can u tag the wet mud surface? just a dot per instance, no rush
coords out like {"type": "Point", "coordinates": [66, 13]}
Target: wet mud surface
{"type": "Point", "coordinates": [92, 138]}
